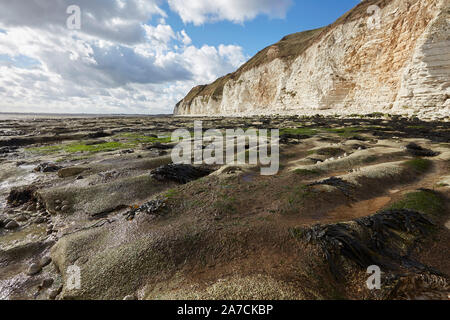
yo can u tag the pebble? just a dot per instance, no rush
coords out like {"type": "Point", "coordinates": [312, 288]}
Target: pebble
{"type": "Point", "coordinates": [65, 203]}
{"type": "Point", "coordinates": [57, 208]}
{"type": "Point", "coordinates": [22, 217]}
{"type": "Point", "coordinates": [54, 293]}
{"type": "Point", "coordinates": [12, 225]}
{"type": "Point", "coordinates": [34, 269]}
{"type": "Point", "coordinates": [47, 283]}
{"type": "Point", "coordinates": [39, 220]}
{"type": "Point", "coordinates": [65, 208]}
{"type": "Point", "coordinates": [45, 261]}
{"type": "Point", "coordinates": [57, 201]}
{"type": "Point", "coordinates": [130, 297]}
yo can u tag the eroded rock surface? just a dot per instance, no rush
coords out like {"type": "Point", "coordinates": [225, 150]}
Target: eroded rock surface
{"type": "Point", "coordinates": [138, 227]}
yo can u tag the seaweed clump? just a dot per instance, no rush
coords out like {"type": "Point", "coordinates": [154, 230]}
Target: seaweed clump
{"type": "Point", "coordinates": [152, 207]}
{"type": "Point", "coordinates": [21, 195]}
{"type": "Point", "coordinates": [380, 239]}
{"type": "Point", "coordinates": [418, 151]}
{"type": "Point", "coordinates": [338, 183]}
{"type": "Point", "coordinates": [180, 173]}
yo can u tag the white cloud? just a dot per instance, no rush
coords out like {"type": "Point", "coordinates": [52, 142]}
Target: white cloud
{"type": "Point", "coordinates": [183, 36]}
{"type": "Point", "coordinates": [118, 62]}
{"type": "Point", "coordinates": [202, 11]}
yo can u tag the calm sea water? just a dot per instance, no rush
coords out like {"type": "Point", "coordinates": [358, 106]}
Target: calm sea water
{"type": "Point", "coordinates": [22, 116]}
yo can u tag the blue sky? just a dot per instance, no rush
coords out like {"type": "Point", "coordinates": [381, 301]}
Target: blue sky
{"type": "Point", "coordinates": [263, 31]}
{"type": "Point", "coordinates": [137, 56]}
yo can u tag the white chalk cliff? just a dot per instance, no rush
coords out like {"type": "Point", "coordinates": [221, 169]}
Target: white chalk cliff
{"type": "Point", "coordinates": [390, 56]}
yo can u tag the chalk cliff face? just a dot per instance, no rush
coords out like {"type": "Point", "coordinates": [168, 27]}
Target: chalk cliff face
{"type": "Point", "coordinates": [390, 56]}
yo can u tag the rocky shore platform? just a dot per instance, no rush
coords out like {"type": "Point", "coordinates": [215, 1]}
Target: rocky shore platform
{"type": "Point", "coordinates": [94, 208]}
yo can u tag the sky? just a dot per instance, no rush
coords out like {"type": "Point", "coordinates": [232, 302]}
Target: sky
{"type": "Point", "coordinates": [136, 56]}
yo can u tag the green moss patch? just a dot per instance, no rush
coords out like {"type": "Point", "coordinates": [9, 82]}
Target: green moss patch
{"type": "Point", "coordinates": [139, 138]}
{"type": "Point", "coordinates": [332, 152]}
{"type": "Point", "coordinates": [80, 147]}
{"type": "Point", "coordinates": [419, 165]}
{"type": "Point", "coordinates": [347, 132]}
{"type": "Point", "coordinates": [299, 131]}
{"type": "Point", "coordinates": [424, 201]}
{"type": "Point", "coordinates": [307, 172]}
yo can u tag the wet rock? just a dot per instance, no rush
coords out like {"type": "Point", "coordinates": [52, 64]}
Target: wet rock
{"type": "Point", "coordinates": [22, 217]}
{"type": "Point", "coordinates": [34, 269]}
{"type": "Point", "coordinates": [99, 134]}
{"type": "Point", "coordinates": [3, 220]}
{"type": "Point", "coordinates": [46, 283]}
{"type": "Point", "coordinates": [6, 150]}
{"type": "Point", "coordinates": [45, 261]}
{"type": "Point", "coordinates": [181, 173]}
{"type": "Point", "coordinates": [11, 225]}
{"type": "Point", "coordinates": [418, 151]}
{"type": "Point", "coordinates": [159, 146]}
{"type": "Point", "coordinates": [152, 208]}
{"type": "Point", "coordinates": [54, 293]}
{"type": "Point", "coordinates": [70, 172]}
{"type": "Point", "coordinates": [109, 175]}
{"type": "Point", "coordinates": [21, 195]}
{"type": "Point", "coordinates": [39, 220]}
{"type": "Point", "coordinates": [47, 167]}
{"type": "Point", "coordinates": [127, 151]}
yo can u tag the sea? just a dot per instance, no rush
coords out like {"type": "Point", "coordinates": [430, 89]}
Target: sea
{"type": "Point", "coordinates": [22, 116]}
